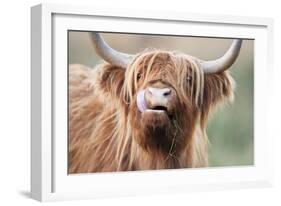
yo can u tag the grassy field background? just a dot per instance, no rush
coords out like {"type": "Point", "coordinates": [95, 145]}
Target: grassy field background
{"type": "Point", "coordinates": [230, 129]}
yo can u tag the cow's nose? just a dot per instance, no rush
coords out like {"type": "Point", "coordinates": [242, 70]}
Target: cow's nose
{"type": "Point", "coordinates": [159, 92]}
{"type": "Point", "coordinates": [158, 96]}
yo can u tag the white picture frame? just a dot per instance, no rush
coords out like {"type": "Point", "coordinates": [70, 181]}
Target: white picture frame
{"type": "Point", "coordinates": [49, 178]}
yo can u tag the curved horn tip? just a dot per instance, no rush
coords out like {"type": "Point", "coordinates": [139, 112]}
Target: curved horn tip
{"type": "Point", "coordinates": [107, 53]}
{"type": "Point", "coordinates": [223, 63]}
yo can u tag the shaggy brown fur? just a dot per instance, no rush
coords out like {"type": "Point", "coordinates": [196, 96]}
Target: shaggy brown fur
{"type": "Point", "coordinates": [108, 133]}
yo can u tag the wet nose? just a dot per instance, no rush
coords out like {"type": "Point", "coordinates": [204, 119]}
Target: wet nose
{"type": "Point", "coordinates": [158, 96]}
{"type": "Point", "coordinates": [159, 92]}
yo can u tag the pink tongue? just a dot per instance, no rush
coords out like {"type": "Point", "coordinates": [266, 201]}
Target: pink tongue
{"type": "Point", "coordinates": [141, 101]}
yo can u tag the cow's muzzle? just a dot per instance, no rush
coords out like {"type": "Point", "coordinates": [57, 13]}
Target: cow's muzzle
{"type": "Point", "coordinates": [155, 99]}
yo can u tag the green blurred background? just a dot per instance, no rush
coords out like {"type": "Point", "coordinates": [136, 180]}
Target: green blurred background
{"type": "Point", "coordinates": [230, 129]}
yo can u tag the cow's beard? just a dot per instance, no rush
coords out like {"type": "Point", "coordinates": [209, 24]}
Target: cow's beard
{"type": "Point", "coordinates": [162, 133]}
{"type": "Point", "coordinates": [156, 131]}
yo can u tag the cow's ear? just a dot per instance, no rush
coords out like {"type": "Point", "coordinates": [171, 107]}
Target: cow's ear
{"type": "Point", "coordinates": [112, 79]}
{"type": "Point", "coordinates": [218, 88]}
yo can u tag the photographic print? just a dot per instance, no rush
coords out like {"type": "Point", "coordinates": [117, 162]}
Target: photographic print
{"type": "Point", "coordinates": [149, 102]}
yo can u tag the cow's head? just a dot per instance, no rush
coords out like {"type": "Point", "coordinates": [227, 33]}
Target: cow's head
{"type": "Point", "coordinates": [167, 93]}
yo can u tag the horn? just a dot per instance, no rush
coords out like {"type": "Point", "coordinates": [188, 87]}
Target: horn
{"type": "Point", "coordinates": [107, 53]}
{"type": "Point", "coordinates": [223, 63]}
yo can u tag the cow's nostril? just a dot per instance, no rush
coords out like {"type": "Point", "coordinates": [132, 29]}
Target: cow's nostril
{"type": "Point", "coordinates": [150, 91]}
{"type": "Point", "coordinates": [167, 93]}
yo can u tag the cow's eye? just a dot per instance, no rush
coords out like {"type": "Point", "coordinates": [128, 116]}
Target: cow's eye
{"type": "Point", "coordinates": [138, 76]}
{"type": "Point", "coordinates": [189, 78]}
